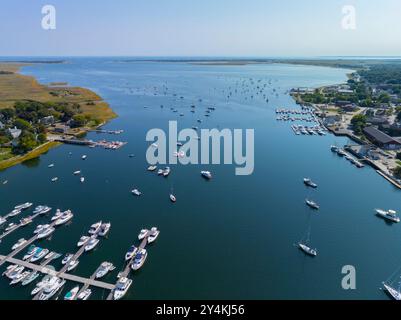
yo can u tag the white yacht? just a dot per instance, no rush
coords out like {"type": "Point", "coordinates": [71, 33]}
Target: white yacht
{"type": "Point", "coordinates": [67, 216]}
{"type": "Point", "coordinates": [51, 165]}
{"type": "Point", "coordinates": [39, 254]}
{"type": "Point", "coordinates": [206, 174]}
{"type": "Point", "coordinates": [2, 220]}
{"type": "Point", "coordinates": [139, 259]}
{"type": "Point", "coordinates": [25, 221]}
{"type": "Point", "coordinates": [18, 244]}
{"type": "Point", "coordinates": [131, 253]}
{"type": "Point", "coordinates": [173, 198]}
{"type": "Point", "coordinates": [67, 258]}
{"type": "Point", "coordinates": [11, 226]}
{"type": "Point", "coordinates": [54, 179]}
{"type": "Point", "coordinates": [45, 233]}
{"type": "Point", "coordinates": [30, 278]}
{"type": "Point", "coordinates": [152, 168]}
{"type": "Point", "coordinates": [24, 206]}
{"type": "Point", "coordinates": [41, 209]}
{"type": "Point", "coordinates": [305, 248]}
{"type": "Point", "coordinates": [14, 272]}
{"type": "Point", "coordinates": [57, 215]}
{"type": "Point", "coordinates": [91, 244]}
{"type": "Point", "coordinates": [41, 228]}
{"type": "Point", "coordinates": [31, 251]}
{"type": "Point", "coordinates": [84, 295]}
{"type": "Point", "coordinates": [104, 229]}
{"type": "Point", "coordinates": [95, 228]}
{"type": "Point", "coordinates": [70, 295]}
{"type": "Point", "coordinates": [9, 269]}
{"type": "Point", "coordinates": [394, 293]}
{"type": "Point", "coordinates": [154, 233]}
{"type": "Point", "coordinates": [76, 173]}
{"type": "Point", "coordinates": [51, 288]}
{"type": "Point", "coordinates": [20, 277]}
{"type": "Point", "coordinates": [308, 182]}
{"type": "Point", "coordinates": [390, 215]}
{"type": "Point", "coordinates": [136, 192]}
{"type": "Point", "coordinates": [82, 241]}
{"type": "Point", "coordinates": [82, 179]}
{"type": "Point", "coordinates": [72, 265]}
{"type": "Point", "coordinates": [84, 157]}
{"type": "Point", "coordinates": [143, 234]}
{"type": "Point", "coordinates": [104, 268]}
{"type": "Point", "coordinates": [121, 288]}
{"type": "Point", "coordinates": [14, 213]}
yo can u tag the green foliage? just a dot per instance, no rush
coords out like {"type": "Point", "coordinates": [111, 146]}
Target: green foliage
{"type": "Point", "coordinates": [397, 172]}
{"type": "Point", "coordinates": [22, 124]}
{"type": "Point", "coordinates": [26, 143]}
{"type": "Point", "coordinates": [359, 122]}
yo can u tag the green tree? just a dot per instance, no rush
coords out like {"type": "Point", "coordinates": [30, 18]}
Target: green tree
{"type": "Point", "coordinates": [22, 124]}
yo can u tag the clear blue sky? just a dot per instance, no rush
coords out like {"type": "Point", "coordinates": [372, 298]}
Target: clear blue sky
{"type": "Point", "coordinates": [201, 28]}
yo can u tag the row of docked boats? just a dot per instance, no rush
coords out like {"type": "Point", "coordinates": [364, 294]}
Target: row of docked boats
{"type": "Point", "coordinates": [342, 153]}
{"type": "Point", "coordinates": [312, 130]}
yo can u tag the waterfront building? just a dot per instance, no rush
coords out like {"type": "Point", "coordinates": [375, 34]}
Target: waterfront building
{"type": "Point", "coordinates": [382, 139]}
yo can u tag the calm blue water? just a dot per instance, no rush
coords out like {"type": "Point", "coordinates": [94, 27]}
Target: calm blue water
{"type": "Point", "coordinates": [232, 237]}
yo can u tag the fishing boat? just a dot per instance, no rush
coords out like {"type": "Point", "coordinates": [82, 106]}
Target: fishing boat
{"type": "Point", "coordinates": [131, 253]}
{"type": "Point", "coordinates": [70, 295]}
{"type": "Point", "coordinates": [104, 229]}
{"type": "Point", "coordinates": [143, 234]}
{"type": "Point", "coordinates": [82, 241]}
{"type": "Point", "coordinates": [206, 174]}
{"type": "Point", "coordinates": [308, 182]}
{"type": "Point", "coordinates": [104, 268]}
{"type": "Point", "coordinates": [136, 192]}
{"type": "Point", "coordinates": [45, 233]}
{"type": "Point", "coordinates": [121, 288]}
{"type": "Point", "coordinates": [139, 259]}
{"type": "Point", "coordinates": [95, 228]}
{"type": "Point", "coordinates": [91, 244]}
{"type": "Point", "coordinates": [30, 278]}
{"type": "Point", "coordinates": [389, 215]}
{"type": "Point", "coordinates": [154, 233]}
{"type": "Point", "coordinates": [18, 244]}
{"type": "Point", "coordinates": [84, 295]}
{"type": "Point", "coordinates": [312, 204]}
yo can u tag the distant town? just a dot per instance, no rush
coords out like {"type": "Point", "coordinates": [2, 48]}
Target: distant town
{"type": "Point", "coordinates": [367, 109]}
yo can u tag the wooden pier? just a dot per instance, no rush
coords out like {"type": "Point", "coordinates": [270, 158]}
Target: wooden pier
{"type": "Point", "coordinates": [5, 234]}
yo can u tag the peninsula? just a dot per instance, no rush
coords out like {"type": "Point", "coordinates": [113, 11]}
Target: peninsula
{"type": "Point", "coordinates": [32, 114]}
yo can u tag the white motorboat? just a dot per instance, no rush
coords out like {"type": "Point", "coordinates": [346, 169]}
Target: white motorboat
{"type": "Point", "coordinates": [24, 206]}
{"type": "Point", "coordinates": [308, 182]}
{"type": "Point", "coordinates": [95, 228]}
{"type": "Point", "coordinates": [11, 226]}
{"type": "Point", "coordinates": [173, 198]}
{"type": "Point", "coordinates": [39, 254]}
{"type": "Point", "coordinates": [131, 253]}
{"type": "Point", "coordinates": [84, 295]}
{"type": "Point", "coordinates": [51, 165]}
{"type": "Point", "coordinates": [76, 173]}
{"type": "Point", "coordinates": [51, 288]}
{"type": "Point", "coordinates": [70, 295]}
{"type": "Point", "coordinates": [57, 215]}
{"type": "Point", "coordinates": [20, 277]}
{"type": "Point", "coordinates": [154, 233]}
{"type": "Point", "coordinates": [121, 288]}
{"type": "Point", "coordinates": [45, 233]}
{"type": "Point", "coordinates": [2, 220]}
{"type": "Point", "coordinates": [82, 179]}
{"type": "Point", "coordinates": [82, 241]}
{"type": "Point", "coordinates": [40, 228]}
{"type": "Point", "coordinates": [166, 172]}
{"type": "Point", "coordinates": [54, 179]}
{"type": "Point", "coordinates": [91, 244]}
{"type": "Point", "coordinates": [84, 157]}
{"type": "Point", "coordinates": [18, 244]}
{"type": "Point", "coordinates": [136, 192]}
{"type": "Point", "coordinates": [206, 174]}
{"type": "Point", "coordinates": [31, 251]}
{"type": "Point", "coordinates": [67, 216]}
{"type": "Point", "coordinates": [67, 258]}
{"type": "Point", "coordinates": [104, 268]}
{"type": "Point", "coordinates": [312, 204]}
{"type": "Point", "coordinates": [25, 221]}
{"type": "Point", "coordinates": [30, 278]}
{"type": "Point", "coordinates": [15, 212]}
{"type": "Point", "coordinates": [152, 168]}
{"type": "Point", "coordinates": [41, 209]}
{"type": "Point", "coordinates": [390, 215]}
{"type": "Point", "coordinates": [143, 234]}
{"type": "Point", "coordinates": [72, 265]}
{"type": "Point", "coordinates": [104, 229]}
{"type": "Point", "coordinates": [139, 259]}
{"type": "Point", "coordinates": [14, 272]}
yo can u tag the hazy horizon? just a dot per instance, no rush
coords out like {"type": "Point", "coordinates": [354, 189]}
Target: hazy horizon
{"type": "Point", "coordinates": [178, 28]}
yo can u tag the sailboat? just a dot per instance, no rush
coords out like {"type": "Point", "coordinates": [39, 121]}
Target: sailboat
{"type": "Point", "coordinates": [304, 245]}
{"type": "Point", "coordinates": [394, 291]}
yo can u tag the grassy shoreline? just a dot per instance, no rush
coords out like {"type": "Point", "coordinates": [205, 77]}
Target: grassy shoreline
{"type": "Point", "coordinates": [17, 87]}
